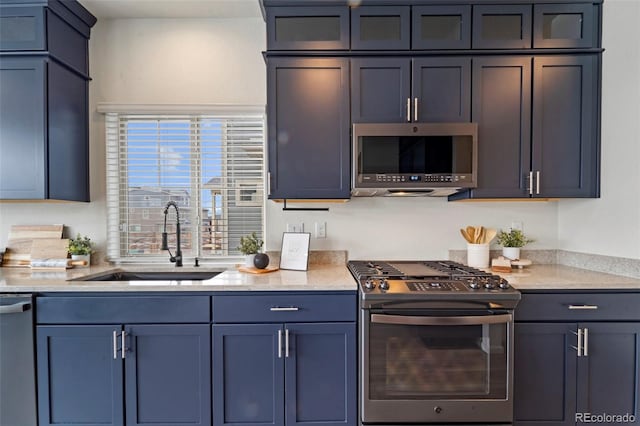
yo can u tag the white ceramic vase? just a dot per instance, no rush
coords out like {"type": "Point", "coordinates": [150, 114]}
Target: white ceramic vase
{"type": "Point", "coordinates": [512, 253]}
{"type": "Point", "coordinates": [478, 255]}
{"type": "Point", "coordinates": [248, 260]}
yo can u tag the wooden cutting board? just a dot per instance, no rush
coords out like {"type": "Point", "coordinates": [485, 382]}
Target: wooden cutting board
{"type": "Point", "coordinates": [22, 232]}
{"type": "Point", "coordinates": [252, 270]}
{"type": "Point", "coordinates": [20, 243]}
{"type": "Point", "coordinates": [50, 248]}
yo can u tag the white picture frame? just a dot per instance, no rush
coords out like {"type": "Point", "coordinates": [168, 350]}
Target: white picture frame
{"type": "Point", "coordinates": [294, 253]}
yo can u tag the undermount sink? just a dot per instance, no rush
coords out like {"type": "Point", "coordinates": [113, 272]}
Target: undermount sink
{"type": "Point", "coordinates": [151, 276]}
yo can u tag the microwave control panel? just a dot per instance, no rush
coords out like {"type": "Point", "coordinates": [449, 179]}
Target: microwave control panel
{"type": "Point", "coordinates": [417, 179]}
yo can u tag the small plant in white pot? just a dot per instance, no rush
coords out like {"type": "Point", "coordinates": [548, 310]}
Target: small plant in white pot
{"type": "Point", "coordinates": [250, 245]}
{"type": "Point", "coordinates": [80, 248]}
{"type": "Point", "coordinates": [512, 242]}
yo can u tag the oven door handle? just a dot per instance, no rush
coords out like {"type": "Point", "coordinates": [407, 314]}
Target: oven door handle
{"type": "Point", "coordinates": [453, 320]}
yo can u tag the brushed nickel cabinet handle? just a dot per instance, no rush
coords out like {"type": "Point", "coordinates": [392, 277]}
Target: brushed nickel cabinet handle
{"type": "Point", "coordinates": [124, 336]}
{"type": "Point", "coordinates": [268, 183]}
{"type": "Point", "coordinates": [579, 348]}
{"type": "Point", "coordinates": [286, 343]}
{"type": "Point", "coordinates": [415, 109]}
{"type": "Point", "coordinates": [585, 341]}
{"type": "Point", "coordinates": [538, 182]}
{"type": "Point", "coordinates": [582, 307]}
{"type": "Point", "coordinates": [115, 344]}
{"type": "Point", "coordinates": [408, 110]}
{"type": "Point", "coordinates": [279, 343]}
{"type": "Point", "coordinates": [530, 189]}
{"type": "Point", "coordinates": [284, 309]}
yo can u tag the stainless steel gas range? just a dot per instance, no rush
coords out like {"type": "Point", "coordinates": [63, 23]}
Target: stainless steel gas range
{"type": "Point", "coordinates": [435, 345]}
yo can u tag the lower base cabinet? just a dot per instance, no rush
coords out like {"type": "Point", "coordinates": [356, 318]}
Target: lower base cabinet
{"type": "Point", "coordinates": [162, 377]}
{"type": "Point", "coordinates": [566, 371]}
{"type": "Point", "coordinates": [277, 374]}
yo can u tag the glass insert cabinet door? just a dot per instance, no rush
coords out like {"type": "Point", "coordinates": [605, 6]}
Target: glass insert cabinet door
{"type": "Point", "coordinates": [563, 26]}
{"type": "Point", "coordinates": [444, 358]}
{"type": "Point", "coordinates": [380, 28]}
{"type": "Point", "coordinates": [441, 27]}
{"type": "Point", "coordinates": [502, 27]}
{"type": "Point", "coordinates": [308, 28]}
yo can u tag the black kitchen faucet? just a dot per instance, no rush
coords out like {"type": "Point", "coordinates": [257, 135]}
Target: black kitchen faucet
{"type": "Point", "coordinates": [177, 259]}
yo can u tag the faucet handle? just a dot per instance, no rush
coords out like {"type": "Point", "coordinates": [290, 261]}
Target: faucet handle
{"type": "Point", "coordinates": [196, 264]}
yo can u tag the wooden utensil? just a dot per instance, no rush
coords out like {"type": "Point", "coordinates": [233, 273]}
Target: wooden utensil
{"type": "Point", "coordinates": [490, 234]}
{"type": "Point", "coordinates": [466, 236]}
{"type": "Point", "coordinates": [471, 231]}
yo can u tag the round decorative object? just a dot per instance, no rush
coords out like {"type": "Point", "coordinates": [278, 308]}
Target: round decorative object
{"type": "Point", "coordinates": [261, 261]}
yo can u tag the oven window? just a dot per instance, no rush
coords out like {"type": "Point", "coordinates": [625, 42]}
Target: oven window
{"type": "Point", "coordinates": [437, 362]}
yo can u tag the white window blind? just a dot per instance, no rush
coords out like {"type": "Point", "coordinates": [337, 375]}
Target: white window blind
{"type": "Point", "coordinates": [212, 166]}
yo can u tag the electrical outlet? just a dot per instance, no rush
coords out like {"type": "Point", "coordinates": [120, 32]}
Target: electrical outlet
{"type": "Point", "coordinates": [516, 224]}
{"type": "Point", "coordinates": [321, 229]}
{"type": "Point", "coordinates": [295, 227]}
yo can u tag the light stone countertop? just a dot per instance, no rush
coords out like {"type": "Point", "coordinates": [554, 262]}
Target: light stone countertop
{"type": "Point", "coordinates": [318, 278]}
{"type": "Point", "coordinates": [560, 277]}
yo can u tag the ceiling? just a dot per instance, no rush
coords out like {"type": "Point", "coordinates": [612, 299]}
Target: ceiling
{"type": "Point", "coordinates": [104, 9]}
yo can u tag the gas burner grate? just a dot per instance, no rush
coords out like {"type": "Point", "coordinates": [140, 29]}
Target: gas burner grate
{"type": "Point", "coordinates": [455, 269]}
{"type": "Point", "coordinates": [372, 269]}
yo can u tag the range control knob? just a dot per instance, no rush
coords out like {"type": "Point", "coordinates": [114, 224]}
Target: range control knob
{"type": "Point", "coordinates": [369, 284]}
{"type": "Point", "coordinates": [504, 284]}
{"type": "Point", "coordinates": [489, 285]}
{"type": "Point", "coordinates": [474, 284]}
{"type": "Point", "coordinates": [384, 285]}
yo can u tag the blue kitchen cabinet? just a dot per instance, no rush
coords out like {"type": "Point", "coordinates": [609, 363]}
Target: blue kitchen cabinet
{"type": "Point", "coordinates": [44, 89]}
{"type": "Point", "coordinates": [80, 375]}
{"type": "Point", "coordinates": [320, 379]}
{"type": "Point", "coordinates": [308, 128]}
{"type": "Point", "coordinates": [397, 90]}
{"type": "Point", "coordinates": [151, 367]}
{"type": "Point", "coordinates": [248, 375]}
{"type": "Point", "coordinates": [167, 374]}
{"type": "Point", "coordinates": [162, 378]}
{"type": "Point", "coordinates": [284, 359]}
{"type": "Point", "coordinates": [539, 117]}
{"type": "Point", "coordinates": [576, 353]}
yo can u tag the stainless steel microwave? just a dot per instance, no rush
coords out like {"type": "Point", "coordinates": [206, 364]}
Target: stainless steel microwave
{"type": "Point", "coordinates": [414, 159]}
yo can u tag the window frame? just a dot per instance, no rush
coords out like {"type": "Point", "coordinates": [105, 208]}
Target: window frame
{"type": "Point", "coordinates": [116, 199]}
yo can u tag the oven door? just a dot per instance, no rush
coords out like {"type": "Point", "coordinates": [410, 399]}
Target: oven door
{"type": "Point", "coordinates": [433, 367]}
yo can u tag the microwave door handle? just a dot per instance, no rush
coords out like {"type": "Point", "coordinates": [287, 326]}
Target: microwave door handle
{"type": "Point", "coordinates": [453, 320]}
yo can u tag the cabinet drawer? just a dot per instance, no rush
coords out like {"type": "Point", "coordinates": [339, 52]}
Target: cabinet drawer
{"type": "Point", "coordinates": [22, 28]}
{"type": "Point", "coordinates": [284, 308]}
{"type": "Point", "coordinates": [122, 309]}
{"type": "Point", "coordinates": [579, 307]}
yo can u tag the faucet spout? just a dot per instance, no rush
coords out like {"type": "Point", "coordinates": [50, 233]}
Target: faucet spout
{"type": "Point", "coordinates": [177, 259]}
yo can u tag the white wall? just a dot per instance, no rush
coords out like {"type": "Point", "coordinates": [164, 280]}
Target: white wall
{"type": "Point", "coordinates": [611, 225]}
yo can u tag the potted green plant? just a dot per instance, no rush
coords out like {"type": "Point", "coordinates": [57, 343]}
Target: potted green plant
{"type": "Point", "coordinates": [250, 245]}
{"type": "Point", "coordinates": [80, 248]}
{"type": "Point", "coordinates": [512, 242]}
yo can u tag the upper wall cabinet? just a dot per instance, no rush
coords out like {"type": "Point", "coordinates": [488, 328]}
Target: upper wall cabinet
{"type": "Point", "coordinates": [502, 27]}
{"type": "Point", "coordinates": [563, 26]}
{"type": "Point", "coordinates": [308, 122]}
{"type": "Point", "coordinates": [300, 28]}
{"type": "Point", "coordinates": [441, 27]}
{"type": "Point", "coordinates": [380, 28]}
{"type": "Point", "coordinates": [44, 131]}
{"type": "Point", "coordinates": [396, 90]}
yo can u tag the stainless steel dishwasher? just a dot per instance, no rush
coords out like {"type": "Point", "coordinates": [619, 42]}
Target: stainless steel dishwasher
{"type": "Point", "coordinates": [17, 366]}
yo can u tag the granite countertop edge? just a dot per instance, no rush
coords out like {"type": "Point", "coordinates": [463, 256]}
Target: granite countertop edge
{"type": "Point", "coordinates": [318, 277]}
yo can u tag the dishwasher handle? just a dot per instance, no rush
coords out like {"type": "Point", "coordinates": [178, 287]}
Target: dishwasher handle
{"type": "Point", "coordinates": [16, 308]}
